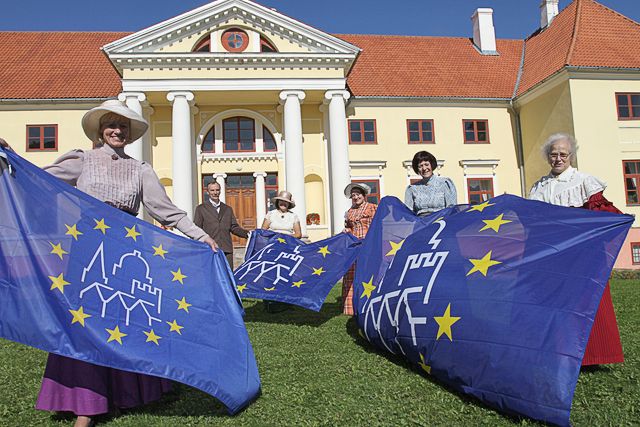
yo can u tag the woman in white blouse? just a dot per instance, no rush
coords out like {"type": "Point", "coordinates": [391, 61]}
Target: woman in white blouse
{"type": "Point", "coordinates": [281, 219]}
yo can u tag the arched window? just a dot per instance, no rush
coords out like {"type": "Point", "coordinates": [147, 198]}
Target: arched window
{"type": "Point", "coordinates": [238, 134]}
{"type": "Point", "coordinates": [266, 45]}
{"type": "Point", "coordinates": [203, 45]}
{"type": "Point", "coordinates": [269, 140]}
{"type": "Point", "coordinates": [209, 142]}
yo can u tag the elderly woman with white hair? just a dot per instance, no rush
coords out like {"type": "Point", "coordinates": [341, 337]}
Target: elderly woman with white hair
{"type": "Point", "coordinates": [109, 174]}
{"type": "Point", "coordinates": [566, 186]}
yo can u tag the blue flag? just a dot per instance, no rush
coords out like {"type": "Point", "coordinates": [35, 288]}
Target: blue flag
{"type": "Point", "coordinates": [281, 268]}
{"type": "Point", "coordinates": [81, 279]}
{"type": "Point", "coordinates": [496, 300]}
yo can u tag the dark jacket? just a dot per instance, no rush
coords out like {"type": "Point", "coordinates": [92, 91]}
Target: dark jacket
{"type": "Point", "coordinates": [219, 225]}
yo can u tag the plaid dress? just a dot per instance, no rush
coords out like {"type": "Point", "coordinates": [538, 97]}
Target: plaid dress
{"type": "Point", "coordinates": [357, 222]}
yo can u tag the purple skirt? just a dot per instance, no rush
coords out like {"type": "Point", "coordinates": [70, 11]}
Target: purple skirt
{"type": "Point", "coordinates": [87, 389]}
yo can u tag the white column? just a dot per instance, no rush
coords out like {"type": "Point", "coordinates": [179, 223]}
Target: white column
{"type": "Point", "coordinates": [182, 146]}
{"type": "Point", "coordinates": [261, 197]}
{"type": "Point", "coordinates": [220, 177]}
{"type": "Point", "coordinates": [339, 155]}
{"type": "Point", "coordinates": [195, 189]}
{"type": "Point", "coordinates": [294, 155]}
{"type": "Point", "coordinates": [134, 101]}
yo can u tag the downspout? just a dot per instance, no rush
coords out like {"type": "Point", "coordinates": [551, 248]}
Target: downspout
{"type": "Point", "coordinates": [516, 116]}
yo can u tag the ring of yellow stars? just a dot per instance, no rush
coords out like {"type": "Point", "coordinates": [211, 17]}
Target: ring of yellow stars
{"type": "Point", "coordinates": [317, 271]}
{"type": "Point", "coordinates": [57, 249]}
{"type": "Point", "coordinates": [324, 250]}
{"type": "Point", "coordinates": [152, 337]}
{"type": "Point", "coordinates": [78, 316]}
{"type": "Point", "coordinates": [494, 224]}
{"type": "Point", "coordinates": [159, 251]}
{"type": "Point", "coordinates": [183, 304]}
{"type": "Point", "coordinates": [368, 288]}
{"type": "Point", "coordinates": [73, 231]}
{"type": "Point", "coordinates": [281, 240]}
{"type": "Point", "coordinates": [100, 225]}
{"type": "Point", "coordinates": [241, 288]}
{"type": "Point", "coordinates": [480, 207]}
{"type": "Point", "coordinates": [482, 265]}
{"type": "Point", "coordinates": [271, 289]}
{"type": "Point", "coordinates": [445, 322]}
{"type": "Point", "coordinates": [58, 283]}
{"type": "Point", "coordinates": [395, 247]}
{"type": "Point", "coordinates": [178, 276]}
{"type": "Point", "coordinates": [174, 327]}
{"type": "Point", "coordinates": [133, 233]}
{"type": "Point", "coordinates": [423, 365]}
{"type": "Point", "coordinates": [115, 335]}
{"type": "Point", "coordinates": [298, 284]}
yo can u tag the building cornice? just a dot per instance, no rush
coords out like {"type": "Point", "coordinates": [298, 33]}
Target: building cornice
{"type": "Point", "coordinates": [164, 85]}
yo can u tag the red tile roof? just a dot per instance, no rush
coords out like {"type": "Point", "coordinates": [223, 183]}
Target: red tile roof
{"type": "Point", "coordinates": [414, 66]}
{"type": "Point", "coordinates": [46, 65]}
{"type": "Point", "coordinates": [584, 34]}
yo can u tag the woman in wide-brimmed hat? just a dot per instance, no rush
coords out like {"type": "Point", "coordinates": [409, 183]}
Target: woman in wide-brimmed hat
{"type": "Point", "coordinates": [109, 174]}
{"type": "Point", "coordinates": [357, 220]}
{"type": "Point", "coordinates": [281, 219]}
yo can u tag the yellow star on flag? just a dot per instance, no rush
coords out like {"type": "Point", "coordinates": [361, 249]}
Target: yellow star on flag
{"type": "Point", "coordinates": [271, 289]}
{"type": "Point", "coordinates": [152, 337]}
{"type": "Point", "coordinates": [423, 365]}
{"type": "Point", "coordinates": [100, 225]}
{"type": "Point", "coordinates": [368, 288]}
{"type": "Point", "coordinates": [72, 230]}
{"type": "Point", "coordinates": [183, 304]}
{"type": "Point", "coordinates": [317, 271]}
{"type": "Point", "coordinates": [281, 240]}
{"type": "Point", "coordinates": [298, 284]}
{"type": "Point", "coordinates": [174, 327]}
{"type": "Point", "coordinates": [395, 247]}
{"type": "Point", "coordinates": [445, 322]}
{"type": "Point", "coordinates": [115, 334]}
{"type": "Point", "coordinates": [482, 265]}
{"type": "Point", "coordinates": [58, 283]}
{"type": "Point", "coordinates": [78, 316]}
{"type": "Point", "coordinates": [131, 232]}
{"type": "Point", "coordinates": [481, 207]}
{"type": "Point", "coordinates": [324, 250]}
{"type": "Point", "coordinates": [178, 276]}
{"type": "Point", "coordinates": [241, 288]}
{"type": "Point", "coordinates": [57, 249]}
{"type": "Point", "coordinates": [158, 250]}
{"type": "Point", "coordinates": [495, 223]}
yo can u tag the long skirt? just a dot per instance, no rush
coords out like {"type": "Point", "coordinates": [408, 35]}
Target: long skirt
{"type": "Point", "coordinates": [87, 389]}
{"type": "Point", "coordinates": [604, 344]}
{"type": "Point", "coordinates": [347, 291]}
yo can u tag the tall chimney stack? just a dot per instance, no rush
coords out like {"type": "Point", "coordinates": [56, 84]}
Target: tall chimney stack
{"type": "Point", "coordinates": [548, 11]}
{"type": "Point", "coordinates": [484, 35]}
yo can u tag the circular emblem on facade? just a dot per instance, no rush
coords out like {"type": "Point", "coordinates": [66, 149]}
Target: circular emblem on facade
{"type": "Point", "coordinates": [235, 40]}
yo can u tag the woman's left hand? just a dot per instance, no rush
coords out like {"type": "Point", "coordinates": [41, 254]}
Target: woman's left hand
{"type": "Point", "coordinates": [212, 243]}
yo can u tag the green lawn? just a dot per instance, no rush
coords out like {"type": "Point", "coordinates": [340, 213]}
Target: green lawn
{"type": "Point", "coordinates": [316, 370]}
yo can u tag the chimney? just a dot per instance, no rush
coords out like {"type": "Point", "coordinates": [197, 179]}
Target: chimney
{"type": "Point", "coordinates": [548, 11]}
{"type": "Point", "coordinates": [484, 35]}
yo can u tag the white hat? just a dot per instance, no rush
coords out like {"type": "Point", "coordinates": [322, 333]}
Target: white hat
{"type": "Point", "coordinates": [285, 196]}
{"type": "Point", "coordinates": [364, 187]}
{"type": "Point", "coordinates": [91, 120]}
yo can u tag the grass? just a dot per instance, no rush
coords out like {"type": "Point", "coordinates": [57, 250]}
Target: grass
{"type": "Point", "coordinates": [316, 370]}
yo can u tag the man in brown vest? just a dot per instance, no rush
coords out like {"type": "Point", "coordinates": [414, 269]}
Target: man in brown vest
{"type": "Point", "coordinates": [218, 221]}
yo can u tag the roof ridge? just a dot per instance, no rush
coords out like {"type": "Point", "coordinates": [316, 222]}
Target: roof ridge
{"type": "Point", "coordinates": [615, 12]}
{"type": "Point", "coordinates": [574, 33]}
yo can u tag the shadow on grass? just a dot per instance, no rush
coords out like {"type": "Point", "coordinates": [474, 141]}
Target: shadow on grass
{"type": "Point", "coordinates": [354, 331]}
{"type": "Point", "coordinates": [293, 315]}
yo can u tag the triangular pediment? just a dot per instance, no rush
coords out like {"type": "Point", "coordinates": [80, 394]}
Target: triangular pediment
{"type": "Point", "coordinates": [181, 33]}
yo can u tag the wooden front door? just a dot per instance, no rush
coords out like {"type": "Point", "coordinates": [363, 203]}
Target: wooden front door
{"type": "Point", "coordinates": [240, 194]}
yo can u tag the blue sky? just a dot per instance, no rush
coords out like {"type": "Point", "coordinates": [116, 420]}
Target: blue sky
{"type": "Point", "coordinates": [512, 18]}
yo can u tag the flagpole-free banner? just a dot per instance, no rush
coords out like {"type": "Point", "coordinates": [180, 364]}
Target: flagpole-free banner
{"type": "Point", "coordinates": [496, 300]}
{"type": "Point", "coordinates": [281, 268]}
{"type": "Point", "coordinates": [81, 279]}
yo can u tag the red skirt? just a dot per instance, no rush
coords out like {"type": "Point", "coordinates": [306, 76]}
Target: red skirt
{"type": "Point", "coordinates": [604, 344]}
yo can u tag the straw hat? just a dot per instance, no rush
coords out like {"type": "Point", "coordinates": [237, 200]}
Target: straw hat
{"type": "Point", "coordinates": [91, 120]}
{"type": "Point", "coordinates": [285, 196]}
{"type": "Point", "coordinates": [364, 187]}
